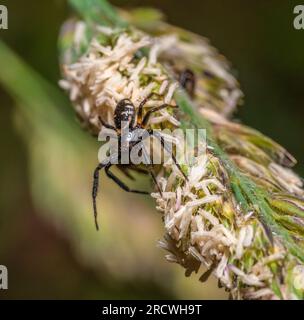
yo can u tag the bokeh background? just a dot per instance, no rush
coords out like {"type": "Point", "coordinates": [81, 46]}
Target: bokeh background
{"type": "Point", "coordinates": [47, 236]}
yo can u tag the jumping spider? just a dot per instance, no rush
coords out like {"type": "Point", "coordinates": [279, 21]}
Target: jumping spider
{"type": "Point", "coordinates": [125, 112]}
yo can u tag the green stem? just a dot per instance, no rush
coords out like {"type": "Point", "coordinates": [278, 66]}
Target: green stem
{"type": "Point", "coordinates": [98, 11]}
{"type": "Point", "coordinates": [37, 100]}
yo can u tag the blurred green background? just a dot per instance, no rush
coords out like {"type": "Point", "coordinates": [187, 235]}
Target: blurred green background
{"type": "Point", "coordinates": [47, 236]}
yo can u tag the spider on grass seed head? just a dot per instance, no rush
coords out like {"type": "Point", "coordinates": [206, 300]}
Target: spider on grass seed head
{"type": "Point", "coordinates": [125, 112]}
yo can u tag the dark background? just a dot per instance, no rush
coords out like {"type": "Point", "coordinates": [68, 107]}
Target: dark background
{"type": "Point", "coordinates": [267, 54]}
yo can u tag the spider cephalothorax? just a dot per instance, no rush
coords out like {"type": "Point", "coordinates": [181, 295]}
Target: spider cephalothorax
{"type": "Point", "coordinates": [125, 113]}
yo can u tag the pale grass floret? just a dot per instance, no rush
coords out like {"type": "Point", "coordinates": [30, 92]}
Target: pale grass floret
{"type": "Point", "coordinates": [287, 179]}
{"type": "Point", "coordinates": [109, 75]}
{"type": "Point", "coordinates": [249, 279]}
{"type": "Point", "coordinates": [262, 293]}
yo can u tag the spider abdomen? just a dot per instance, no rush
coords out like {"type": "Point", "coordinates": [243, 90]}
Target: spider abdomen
{"type": "Point", "coordinates": [124, 113]}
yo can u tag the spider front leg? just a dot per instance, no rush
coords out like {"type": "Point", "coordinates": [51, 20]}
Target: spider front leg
{"type": "Point", "coordinates": [106, 125]}
{"type": "Point", "coordinates": [141, 107]}
{"type": "Point", "coordinates": [142, 104]}
{"type": "Point", "coordinates": [153, 110]}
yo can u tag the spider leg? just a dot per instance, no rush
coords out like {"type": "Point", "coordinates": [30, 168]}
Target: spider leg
{"type": "Point", "coordinates": [95, 190]}
{"type": "Point", "coordinates": [100, 166]}
{"type": "Point", "coordinates": [142, 171]}
{"type": "Point", "coordinates": [151, 111]}
{"type": "Point", "coordinates": [142, 104]}
{"type": "Point", "coordinates": [106, 125]}
{"type": "Point", "coordinates": [150, 170]}
{"type": "Point", "coordinates": [139, 170]}
{"type": "Point", "coordinates": [160, 138]}
{"type": "Point", "coordinates": [120, 183]}
{"type": "Point", "coordinates": [125, 171]}
{"type": "Point", "coordinates": [155, 181]}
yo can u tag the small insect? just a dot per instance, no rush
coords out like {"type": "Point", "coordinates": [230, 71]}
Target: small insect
{"type": "Point", "coordinates": [125, 112]}
{"type": "Point", "coordinates": [187, 80]}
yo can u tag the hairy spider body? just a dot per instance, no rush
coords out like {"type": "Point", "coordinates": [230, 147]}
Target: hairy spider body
{"type": "Point", "coordinates": [125, 117]}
